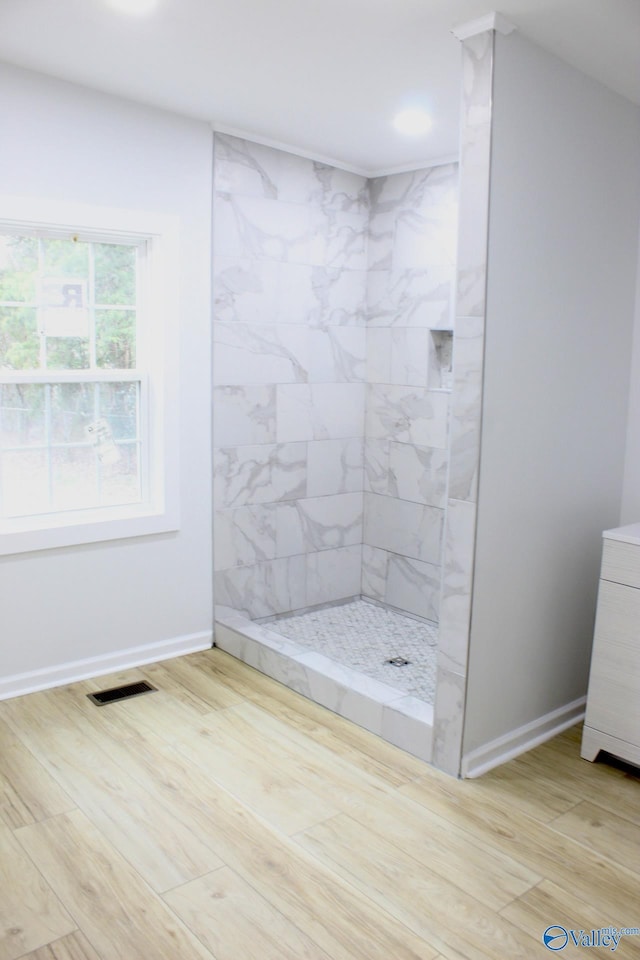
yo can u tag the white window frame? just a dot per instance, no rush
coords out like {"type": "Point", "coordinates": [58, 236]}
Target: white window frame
{"type": "Point", "coordinates": [158, 512]}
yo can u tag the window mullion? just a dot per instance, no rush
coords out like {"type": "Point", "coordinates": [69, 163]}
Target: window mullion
{"type": "Point", "coordinates": [48, 433]}
{"type": "Point", "coordinates": [142, 453]}
{"type": "Point", "coordinates": [96, 416]}
{"type": "Point", "coordinates": [91, 296]}
{"type": "Point", "coordinates": [41, 336]}
{"type": "Point", "coordinates": [106, 375]}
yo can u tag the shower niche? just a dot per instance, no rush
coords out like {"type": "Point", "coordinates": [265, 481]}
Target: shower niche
{"type": "Point", "coordinates": [333, 370]}
{"type": "Point", "coordinates": [441, 360]}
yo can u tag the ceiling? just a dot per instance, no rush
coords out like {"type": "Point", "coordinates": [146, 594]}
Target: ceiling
{"type": "Point", "coordinates": [322, 77]}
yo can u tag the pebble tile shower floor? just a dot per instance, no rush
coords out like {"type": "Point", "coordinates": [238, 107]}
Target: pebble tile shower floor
{"type": "Point", "coordinates": [363, 636]}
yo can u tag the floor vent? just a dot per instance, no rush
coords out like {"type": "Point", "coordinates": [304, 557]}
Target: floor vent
{"type": "Point", "coordinates": [398, 662]}
{"type": "Point", "coordinates": [102, 697]}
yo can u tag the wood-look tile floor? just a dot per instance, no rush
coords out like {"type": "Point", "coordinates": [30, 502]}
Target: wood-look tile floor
{"type": "Point", "coordinates": [226, 817]}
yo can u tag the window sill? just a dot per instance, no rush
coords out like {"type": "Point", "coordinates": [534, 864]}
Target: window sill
{"type": "Point", "coordinates": [26, 534]}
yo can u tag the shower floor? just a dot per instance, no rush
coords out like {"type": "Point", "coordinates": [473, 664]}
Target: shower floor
{"type": "Point", "coordinates": [363, 635]}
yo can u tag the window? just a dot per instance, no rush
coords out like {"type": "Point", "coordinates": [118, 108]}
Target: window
{"type": "Point", "coordinates": [70, 422]}
{"type": "Point", "coordinates": [85, 391]}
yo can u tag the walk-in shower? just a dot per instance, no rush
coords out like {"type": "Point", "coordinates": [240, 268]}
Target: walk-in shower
{"type": "Point", "coordinates": [333, 341]}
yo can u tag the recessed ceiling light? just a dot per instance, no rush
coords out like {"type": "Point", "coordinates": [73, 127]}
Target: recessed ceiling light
{"type": "Point", "coordinates": [136, 8]}
{"type": "Point", "coordinates": [413, 122]}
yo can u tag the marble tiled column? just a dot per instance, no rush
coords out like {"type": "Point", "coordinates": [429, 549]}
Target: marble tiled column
{"type": "Point", "coordinates": [466, 402]}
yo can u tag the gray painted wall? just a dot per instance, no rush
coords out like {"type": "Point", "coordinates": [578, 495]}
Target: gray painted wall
{"type": "Point", "coordinates": [63, 142]}
{"type": "Point", "coordinates": [631, 493]}
{"type": "Point", "coordinates": [563, 234]}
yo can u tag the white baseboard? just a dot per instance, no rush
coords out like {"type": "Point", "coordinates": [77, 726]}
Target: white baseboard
{"type": "Point", "coordinates": [524, 738]}
{"type": "Point", "coordinates": [61, 674]}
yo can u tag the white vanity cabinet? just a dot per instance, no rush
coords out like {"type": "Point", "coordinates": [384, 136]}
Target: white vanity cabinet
{"type": "Point", "coordinates": [612, 721]}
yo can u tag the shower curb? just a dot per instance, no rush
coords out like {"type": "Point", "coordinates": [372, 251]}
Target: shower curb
{"type": "Point", "coordinates": [398, 718]}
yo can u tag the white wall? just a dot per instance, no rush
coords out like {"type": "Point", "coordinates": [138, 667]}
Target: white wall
{"type": "Point", "coordinates": [63, 142]}
{"type": "Point", "coordinates": [563, 234]}
{"type": "Point", "coordinates": [631, 492]}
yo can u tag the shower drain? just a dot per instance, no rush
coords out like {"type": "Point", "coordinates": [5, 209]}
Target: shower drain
{"type": "Point", "coordinates": [398, 661]}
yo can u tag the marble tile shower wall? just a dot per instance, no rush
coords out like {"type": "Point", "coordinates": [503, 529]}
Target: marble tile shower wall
{"type": "Point", "coordinates": [290, 259]}
{"type": "Point", "coordinates": [330, 424]}
{"type": "Point", "coordinates": [411, 272]}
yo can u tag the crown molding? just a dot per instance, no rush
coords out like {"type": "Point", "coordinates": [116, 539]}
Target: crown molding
{"type": "Point", "coordinates": [413, 167]}
{"type": "Point", "coordinates": [368, 174]}
{"type": "Point", "coordinates": [287, 148]}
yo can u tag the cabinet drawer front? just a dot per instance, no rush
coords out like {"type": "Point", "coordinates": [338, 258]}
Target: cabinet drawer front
{"type": "Point", "coordinates": [621, 562]}
{"type": "Point", "coordinates": [613, 703]}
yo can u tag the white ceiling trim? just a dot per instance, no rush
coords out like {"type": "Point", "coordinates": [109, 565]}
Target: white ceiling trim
{"type": "Point", "coordinates": [289, 148]}
{"type": "Point", "coordinates": [369, 174]}
{"type": "Point", "coordinates": [410, 167]}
